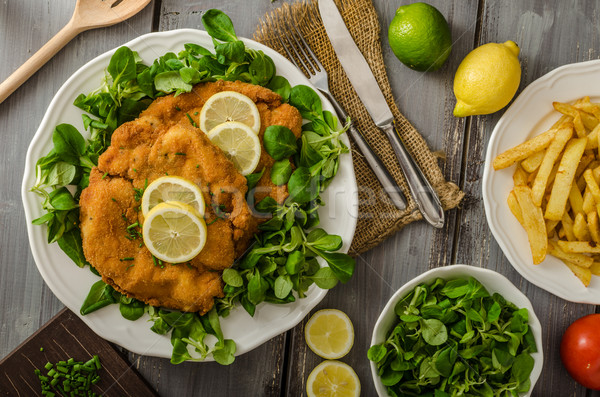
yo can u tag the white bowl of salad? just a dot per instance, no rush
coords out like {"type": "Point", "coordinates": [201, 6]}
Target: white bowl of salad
{"type": "Point", "coordinates": [457, 329]}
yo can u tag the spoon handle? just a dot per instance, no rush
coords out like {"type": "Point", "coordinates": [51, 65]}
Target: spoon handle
{"type": "Point", "coordinates": [38, 60]}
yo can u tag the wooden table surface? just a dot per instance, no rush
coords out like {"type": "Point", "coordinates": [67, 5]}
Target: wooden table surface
{"type": "Point", "coordinates": [551, 33]}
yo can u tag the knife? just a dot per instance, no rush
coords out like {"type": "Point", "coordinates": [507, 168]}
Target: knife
{"type": "Point", "coordinates": [360, 75]}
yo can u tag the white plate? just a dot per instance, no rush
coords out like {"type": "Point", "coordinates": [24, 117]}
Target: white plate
{"type": "Point", "coordinates": [71, 284]}
{"type": "Point", "coordinates": [529, 115]}
{"type": "Point", "coordinates": [491, 280]}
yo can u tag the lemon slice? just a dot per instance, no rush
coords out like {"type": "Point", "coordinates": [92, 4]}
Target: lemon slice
{"type": "Point", "coordinates": [332, 379]}
{"type": "Point", "coordinates": [229, 106]}
{"type": "Point", "coordinates": [239, 144]}
{"type": "Point", "coordinates": [329, 333]}
{"type": "Point", "coordinates": [173, 232]}
{"type": "Point", "coordinates": [173, 188]}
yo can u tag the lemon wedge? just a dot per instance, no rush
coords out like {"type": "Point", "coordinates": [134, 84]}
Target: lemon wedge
{"type": "Point", "coordinates": [332, 379]}
{"type": "Point", "coordinates": [329, 333]}
{"type": "Point", "coordinates": [229, 106]}
{"type": "Point", "coordinates": [239, 143]}
{"type": "Point", "coordinates": [174, 232]}
{"type": "Point", "coordinates": [173, 188]}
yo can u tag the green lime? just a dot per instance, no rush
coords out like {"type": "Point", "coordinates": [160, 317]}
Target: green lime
{"type": "Point", "coordinates": [420, 37]}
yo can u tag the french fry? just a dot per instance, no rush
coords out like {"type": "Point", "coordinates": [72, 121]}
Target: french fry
{"type": "Point", "coordinates": [595, 268]}
{"type": "Point", "coordinates": [596, 172]}
{"type": "Point", "coordinates": [588, 201]}
{"type": "Point", "coordinates": [564, 178]}
{"type": "Point", "coordinates": [524, 150]}
{"type": "Point", "coordinates": [592, 142]}
{"type": "Point", "coordinates": [567, 224]}
{"type": "Point", "coordinates": [577, 259]}
{"type": "Point", "coordinates": [583, 274]}
{"type": "Point", "coordinates": [533, 222]}
{"type": "Point", "coordinates": [580, 228]}
{"type": "Point", "coordinates": [589, 107]}
{"type": "Point", "coordinates": [513, 204]}
{"type": "Point", "coordinates": [570, 110]}
{"type": "Point", "coordinates": [550, 178]}
{"type": "Point", "coordinates": [579, 247]}
{"type": "Point", "coordinates": [592, 185]}
{"type": "Point", "coordinates": [576, 199]}
{"type": "Point", "coordinates": [594, 228]}
{"type": "Point", "coordinates": [532, 162]}
{"type": "Point", "coordinates": [561, 233]}
{"type": "Point", "coordinates": [550, 226]}
{"type": "Point", "coordinates": [584, 163]}
{"type": "Point", "coordinates": [520, 176]}
{"type": "Point", "coordinates": [552, 153]}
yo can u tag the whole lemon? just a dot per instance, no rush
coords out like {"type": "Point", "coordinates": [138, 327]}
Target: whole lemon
{"type": "Point", "coordinates": [487, 79]}
{"type": "Point", "coordinates": [420, 37]}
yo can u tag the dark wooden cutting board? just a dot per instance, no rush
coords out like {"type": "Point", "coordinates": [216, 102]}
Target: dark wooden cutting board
{"type": "Point", "coordinates": [63, 337]}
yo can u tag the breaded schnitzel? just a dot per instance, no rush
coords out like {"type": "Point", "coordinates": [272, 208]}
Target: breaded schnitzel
{"type": "Point", "coordinates": [164, 140]}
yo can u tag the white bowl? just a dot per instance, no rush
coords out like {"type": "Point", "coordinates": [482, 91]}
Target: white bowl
{"type": "Point", "coordinates": [492, 281]}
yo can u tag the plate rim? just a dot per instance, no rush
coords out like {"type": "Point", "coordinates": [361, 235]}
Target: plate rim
{"type": "Point", "coordinates": [493, 206]}
{"type": "Point", "coordinates": [351, 193]}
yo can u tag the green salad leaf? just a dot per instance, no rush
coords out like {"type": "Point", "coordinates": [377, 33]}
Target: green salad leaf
{"type": "Point", "coordinates": [283, 261]}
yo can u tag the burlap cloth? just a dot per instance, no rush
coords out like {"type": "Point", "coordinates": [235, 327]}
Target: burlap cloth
{"type": "Point", "coordinates": [378, 218]}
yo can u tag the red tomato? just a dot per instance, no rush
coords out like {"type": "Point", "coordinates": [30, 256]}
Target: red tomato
{"type": "Point", "coordinates": [580, 351]}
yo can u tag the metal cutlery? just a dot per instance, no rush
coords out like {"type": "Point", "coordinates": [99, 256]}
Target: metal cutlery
{"type": "Point", "coordinates": [304, 58]}
{"type": "Point", "coordinates": [360, 75]}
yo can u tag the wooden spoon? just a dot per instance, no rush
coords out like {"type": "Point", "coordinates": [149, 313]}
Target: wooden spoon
{"type": "Point", "coordinates": [88, 14]}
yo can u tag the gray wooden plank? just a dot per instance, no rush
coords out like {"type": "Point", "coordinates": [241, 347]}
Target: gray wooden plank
{"type": "Point", "coordinates": [27, 303]}
{"type": "Point", "coordinates": [549, 36]}
{"type": "Point", "coordinates": [424, 98]}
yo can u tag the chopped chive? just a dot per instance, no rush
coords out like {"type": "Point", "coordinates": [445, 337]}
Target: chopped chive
{"type": "Point", "coordinates": [41, 349]}
{"type": "Point", "coordinates": [211, 222]}
{"type": "Point", "coordinates": [132, 226]}
{"type": "Point", "coordinates": [113, 199]}
{"type": "Point", "coordinates": [134, 170]}
{"type": "Point", "coordinates": [180, 153]}
{"type": "Point", "coordinates": [177, 108]}
{"type": "Point", "coordinates": [192, 122]}
{"type": "Point", "coordinates": [195, 113]}
{"type": "Point", "coordinates": [129, 258]}
{"type": "Point", "coordinates": [197, 165]}
{"type": "Point", "coordinates": [105, 174]}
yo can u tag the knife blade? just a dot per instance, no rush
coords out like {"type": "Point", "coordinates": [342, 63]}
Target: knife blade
{"type": "Point", "coordinates": [362, 79]}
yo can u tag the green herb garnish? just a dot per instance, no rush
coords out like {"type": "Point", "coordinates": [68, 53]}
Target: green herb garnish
{"type": "Point", "coordinates": [70, 378]}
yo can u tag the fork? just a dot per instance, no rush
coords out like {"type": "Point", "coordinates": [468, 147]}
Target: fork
{"type": "Point", "coordinates": [88, 14]}
{"type": "Point", "coordinates": [306, 60]}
